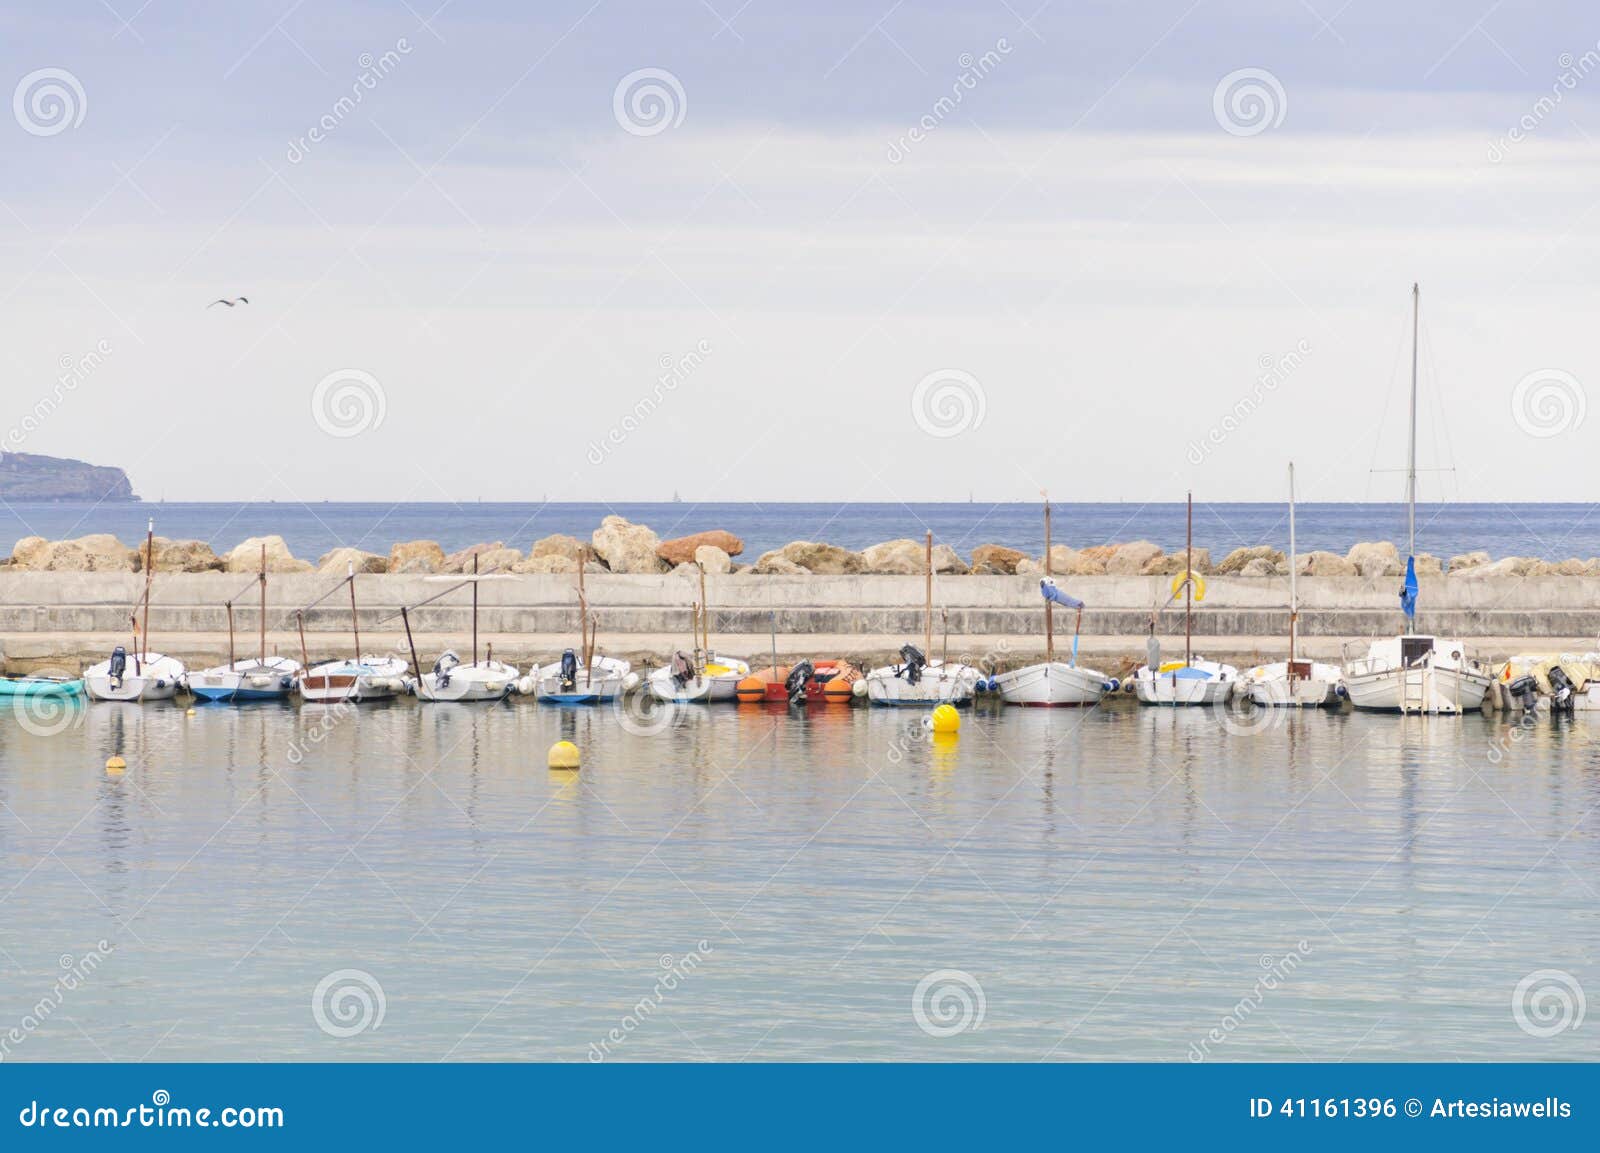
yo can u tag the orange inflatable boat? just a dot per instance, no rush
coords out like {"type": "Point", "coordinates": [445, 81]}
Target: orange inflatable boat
{"type": "Point", "coordinates": [818, 682]}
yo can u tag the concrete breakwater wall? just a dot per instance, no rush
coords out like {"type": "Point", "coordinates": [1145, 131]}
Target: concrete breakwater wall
{"type": "Point", "coordinates": [43, 614]}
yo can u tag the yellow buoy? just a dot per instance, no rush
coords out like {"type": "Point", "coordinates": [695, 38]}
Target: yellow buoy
{"type": "Point", "coordinates": [189, 712]}
{"type": "Point", "coordinates": [563, 755]}
{"type": "Point", "coordinates": [946, 719]}
{"type": "Point", "coordinates": [115, 765]}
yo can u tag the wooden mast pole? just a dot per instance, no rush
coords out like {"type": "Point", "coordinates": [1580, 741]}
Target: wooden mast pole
{"type": "Point", "coordinates": [229, 606]}
{"type": "Point", "coordinates": [927, 606]}
{"type": "Point", "coordinates": [474, 608]}
{"type": "Point", "coordinates": [1049, 605]}
{"type": "Point", "coordinates": [355, 622]}
{"type": "Point", "coordinates": [1188, 586]}
{"type": "Point", "coordinates": [263, 622]}
{"type": "Point", "coordinates": [149, 574]}
{"type": "Point", "coordinates": [1294, 604]}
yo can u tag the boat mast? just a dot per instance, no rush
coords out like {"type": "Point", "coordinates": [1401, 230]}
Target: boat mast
{"type": "Point", "coordinates": [927, 604]}
{"type": "Point", "coordinates": [474, 608]}
{"type": "Point", "coordinates": [1049, 605]}
{"type": "Point", "coordinates": [263, 659]}
{"type": "Point", "coordinates": [1294, 604]}
{"type": "Point", "coordinates": [355, 623]}
{"type": "Point", "coordinates": [149, 574]}
{"type": "Point", "coordinates": [1188, 586]}
{"type": "Point", "coordinates": [1411, 455]}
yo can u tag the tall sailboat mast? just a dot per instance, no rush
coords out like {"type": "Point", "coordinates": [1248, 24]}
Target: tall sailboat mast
{"type": "Point", "coordinates": [1294, 604]}
{"type": "Point", "coordinates": [1411, 455]}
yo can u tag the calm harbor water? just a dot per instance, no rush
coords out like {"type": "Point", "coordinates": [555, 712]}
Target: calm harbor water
{"type": "Point", "coordinates": [1115, 882]}
{"type": "Point", "coordinates": [1549, 531]}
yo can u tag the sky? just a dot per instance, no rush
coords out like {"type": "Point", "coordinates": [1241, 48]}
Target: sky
{"type": "Point", "coordinates": [749, 250]}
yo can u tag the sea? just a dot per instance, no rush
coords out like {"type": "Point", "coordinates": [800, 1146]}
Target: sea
{"type": "Point", "coordinates": [1548, 531]}
{"type": "Point", "coordinates": [409, 882]}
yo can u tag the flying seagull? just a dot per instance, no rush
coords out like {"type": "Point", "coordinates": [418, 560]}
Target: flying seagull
{"type": "Point", "coordinates": [229, 303]}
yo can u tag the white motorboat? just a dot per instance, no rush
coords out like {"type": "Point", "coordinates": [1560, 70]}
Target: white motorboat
{"type": "Point", "coordinates": [582, 677]}
{"type": "Point", "coordinates": [573, 681]}
{"type": "Point", "coordinates": [475, 680]}
{"type": "Point", "coordinates": [917, 681]}
{"type": "Point", "coordinates": [373, 677]}
{"type": "Point", "coordinates": [698, 676]}
{"type": "Point", "coordinates": [257, 678]}
{"type": "Point", "coordinates": [140, 675]}
{"type": "Point", "coordinates": [251, 679]}
{"type": "Point", "coordinates": [1054, 683]}
{"type": "Point", "coordinates": [136, 676]}
{"type": "Point", "coordinates": [450, 680]}
{"type": "Point", "coordinates": [1415, 672]}
{"type": "Point", "coordinates": [358, 680]}
{"type": "Point", "coordinates": [1294, 683]}
{"type": "Point", "coordinates": [1193, 680]}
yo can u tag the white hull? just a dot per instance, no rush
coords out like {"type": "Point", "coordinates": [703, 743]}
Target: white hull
{"type": "Point", "coordinates": [247, 680]}
{"type": "Point", "coordinates": [609, 677]}
{"type": "Point", "coordinates": [373, 679]}
{"type": "Point", "coordinates": [664, 688]}
{"type": "Point", "coordinates": [1198, 683]}
{"type": "Point", "coordinates": [1416, 674]}
{"type": "Point", "coordinates": [484, 681]}
{"type": "Point", "coordinates": [940, 684]}
{"type": "Point", "coordinates": [156, 678]}
{"type": "Point", "coordinates": [1272, 687]}
{"type": "Point", "coordinates": [1052, 683]}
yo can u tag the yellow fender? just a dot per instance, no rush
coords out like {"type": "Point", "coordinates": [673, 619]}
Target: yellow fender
{"type": "Point", "coordinates": [1194, 578]}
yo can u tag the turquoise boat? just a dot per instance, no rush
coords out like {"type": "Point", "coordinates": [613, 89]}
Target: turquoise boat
{"type": "Point", "coordinates": [25, 686]}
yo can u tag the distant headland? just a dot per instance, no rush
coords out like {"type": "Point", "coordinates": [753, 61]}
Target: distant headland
{"type": "Point", "coordinates": [26, 476]}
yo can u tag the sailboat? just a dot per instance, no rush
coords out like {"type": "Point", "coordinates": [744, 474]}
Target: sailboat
{"type": "Point", "coordinates": [916, 680]}
{"type": "Point", "coordinates": [581, 677]}
{"type": "Point", "coordinates": [363, 678]}
{"type": "Point", "coordinates": [450, 679]}
{"type": "Point", "coordinates": [1415, 672]}
{"type": "Point", "coordinates": [1193, 680]}
{"type": "Point", "coordinates": [1054, 682]}
{"type": "Point", "coordinates": [257, 678]}
{"type": "Point", "coordinates": [1294, 683]}
{"type": "Point", "coordinates": [140, 675]}
{"type": "Point", "coordinates": [699, 675]}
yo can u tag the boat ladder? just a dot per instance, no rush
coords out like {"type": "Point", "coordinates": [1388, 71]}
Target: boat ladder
{"type": "Point", "coordinates": [1413, 697]}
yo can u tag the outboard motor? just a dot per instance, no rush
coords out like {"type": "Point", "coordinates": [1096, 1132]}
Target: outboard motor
{"type": "Point", "coordinates": [119, 665]}
{"type": "Point", "coordinates": [1562, 697]}
{"type": "Point", "coordinates": [799, 677]}
{"type": "Point", "coordinates": [912, 663]}
{"type": "Point", "coordinates": [682, 668]}
{"type": "Point", "coordinates": [1525, 692]}
{"type": "Point", "coordinates": [441, 667]}
{"type": "Point", "coordinates": [569, 671]}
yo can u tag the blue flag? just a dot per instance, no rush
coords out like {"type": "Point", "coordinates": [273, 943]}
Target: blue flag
{"type": "Point", "coordinates": [1047, 589]}
{"type": "Point", "coordinates": [1408, 591]}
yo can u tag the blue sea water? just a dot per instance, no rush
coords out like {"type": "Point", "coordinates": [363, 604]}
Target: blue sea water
{"type": "Point", "coordinates": [1549, 531]}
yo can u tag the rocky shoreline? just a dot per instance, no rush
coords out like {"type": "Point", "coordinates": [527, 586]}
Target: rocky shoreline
{"type": "Point", "coordinates": [620, 546]}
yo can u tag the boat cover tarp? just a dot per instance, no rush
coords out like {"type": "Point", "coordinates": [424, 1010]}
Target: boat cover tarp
{"type": "Point", "coordinates": [1580, 670]}
{"type": "Point", "coordinates": [1048, 589]}
{"type": "Point", "coordinates": [1408, 591]}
